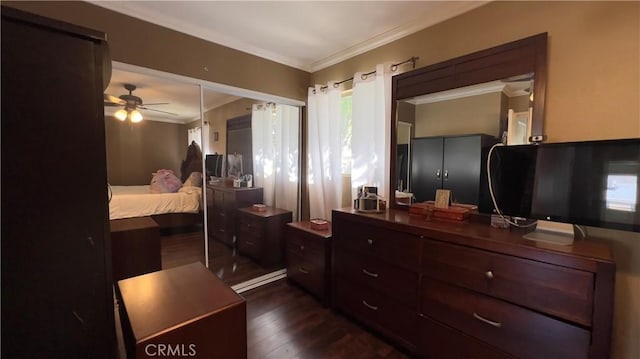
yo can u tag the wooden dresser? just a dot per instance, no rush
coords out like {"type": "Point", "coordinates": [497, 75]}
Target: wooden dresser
{"type": "Point", "coordinates": [462, 290]}
{"type": "Point", "coordinates": [261, 234]}
{"type": "Point", "coordinates": [222, 203]}
{"type": "Point", "coordinates": [308, 257]}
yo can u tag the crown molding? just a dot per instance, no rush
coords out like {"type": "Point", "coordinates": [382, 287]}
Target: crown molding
{"type": "Point", "coordinates": [473, 90]}
{"type": "Point", "coordinates": [435, 16]}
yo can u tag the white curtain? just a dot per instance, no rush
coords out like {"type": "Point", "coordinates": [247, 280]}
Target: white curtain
{"type": "Point", "coordinates": [195, 134]}
{"type": "Point", "coordinates": [275, 145]}
{"type": "Point", "coordinates": [371, 126]}
{"type": "Point", "coordinates": [325, 150]}
{"type": "Point", "coordinates": [206, 146]}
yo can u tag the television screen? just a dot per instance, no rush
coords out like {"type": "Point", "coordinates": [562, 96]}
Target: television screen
{"type": "Point", "coordinates": [214, 165]}
{"type": "Point", "coordinates": [593, 183]}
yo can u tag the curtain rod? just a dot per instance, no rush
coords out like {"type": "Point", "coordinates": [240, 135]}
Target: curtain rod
{"type": "Point", "coordinates": [364, 76]}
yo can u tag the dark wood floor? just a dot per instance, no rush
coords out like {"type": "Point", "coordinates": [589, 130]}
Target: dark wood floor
{"type": "Point", "coordinates": [284, 322]}
{"type": "Point", "coordinates": [184, 247]}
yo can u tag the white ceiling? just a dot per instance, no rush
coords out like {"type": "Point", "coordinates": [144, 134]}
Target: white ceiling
{"type": "Point", "coordinates": [183, 99]}
{"type": "Point", "coordinates": [309, 35]}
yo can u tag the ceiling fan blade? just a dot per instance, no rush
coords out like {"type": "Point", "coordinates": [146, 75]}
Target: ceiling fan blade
{"type": "Point", "coordinates": [156, 103]}
{"type": "Point", "coordinates": [113, 100]}
{"type": "Point", "coordinates": [152, 109]}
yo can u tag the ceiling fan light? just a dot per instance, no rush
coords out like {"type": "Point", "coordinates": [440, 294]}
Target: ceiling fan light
{"type": "Point", "coordinates": [136, 116]}
{"type": "Point", "coordinates": [120, 115]}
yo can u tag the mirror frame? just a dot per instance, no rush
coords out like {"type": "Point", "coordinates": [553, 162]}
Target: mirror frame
{"type": "Point", "coordinates": [514, 58]}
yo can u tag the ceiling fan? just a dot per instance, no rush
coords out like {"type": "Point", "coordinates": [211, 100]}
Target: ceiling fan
{"type": "Point", "coordinates": [131, 105]}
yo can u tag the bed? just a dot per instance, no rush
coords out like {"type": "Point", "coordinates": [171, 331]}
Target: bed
{"type": "Point", "coordinates": [169, 210]}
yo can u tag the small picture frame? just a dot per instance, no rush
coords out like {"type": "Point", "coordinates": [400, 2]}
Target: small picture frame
{"type": "Point", "coordinates": [216, 136]}
{"type": "Point", "coordinates": [443, 198]}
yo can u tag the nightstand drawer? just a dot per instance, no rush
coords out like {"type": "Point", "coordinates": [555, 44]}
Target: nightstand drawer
{"type": "Point", "coordinates": [394, 247]}
{"type": "Point", "coordinates": [563, 292]}
{"type": "Point", "coordinates": [249, 224]}
{"type": "Point", "coordinates": [308, 272]}
{"type": "Point", "coordinates": [518, 331]}
{"type": "Point", "coordinates": [249, 245]}
{"type": "Point", "coordinates": [302, 244]}
{"type": "Point", "coordinates": [393, 281]}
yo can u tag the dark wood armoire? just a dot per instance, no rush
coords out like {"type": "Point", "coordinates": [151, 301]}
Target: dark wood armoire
{"type": "Point", "coordinates": [57, 299]}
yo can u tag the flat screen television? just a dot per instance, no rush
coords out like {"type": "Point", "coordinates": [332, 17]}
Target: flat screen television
{"type": "Point", "coordinates": [592, 183]}
{"type": "Point", "coordinates": [213, 165]}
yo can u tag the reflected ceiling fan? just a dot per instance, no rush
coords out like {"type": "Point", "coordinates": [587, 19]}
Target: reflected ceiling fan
{"type": "Point", "coordinates": [131, 105]}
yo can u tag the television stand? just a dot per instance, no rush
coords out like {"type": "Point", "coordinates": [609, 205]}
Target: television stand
{"type": "Point", "coordinates": [552, 232]}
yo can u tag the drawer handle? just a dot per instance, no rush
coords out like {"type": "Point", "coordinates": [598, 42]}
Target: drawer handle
{"type": "Point", "coordinates": [301, 269]}
{"type": "Point", "coordinates": [485, 320]}
{"type": "Point", "coordinates": [372, 307]}
{"type": "Point", "coordinates": [370, 241]}
{"type": "Point", "coordinates": [488, 274]}
{"type": "Point", "coordinates": [301, 247]}
{"type": "Point", "coordinates": [370, 274]}
{"type": "Point", "coordinates": [249, 243]}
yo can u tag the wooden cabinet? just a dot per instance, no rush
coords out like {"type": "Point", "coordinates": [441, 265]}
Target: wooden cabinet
{"type": "Point", "coordinates": [222, 204]}
{"type": "Point", "coordinates": [466, 290]}
{"type": "Point", "coordinates": [454, 162]}
{"type": "Point", "coordinates": [191, 313]}
{"type": "Point", "coordinates": [57, 298]}
{"type": "Point", "coordinates": [308, 257]}
{"type": "Point", "coordinates": [260, 235]}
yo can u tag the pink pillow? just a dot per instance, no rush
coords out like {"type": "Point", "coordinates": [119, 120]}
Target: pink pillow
{"type": "Point", "coordinates": [164, 181]}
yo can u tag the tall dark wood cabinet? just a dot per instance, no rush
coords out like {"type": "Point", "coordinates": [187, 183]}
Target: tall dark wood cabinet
{"type": "Point", "coordinates": [57, 299]}
{"type": "Point", "coordinates": [452, 162]}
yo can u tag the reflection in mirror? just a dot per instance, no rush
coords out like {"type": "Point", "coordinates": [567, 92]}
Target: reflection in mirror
{"type": "Point", "coordinates": [500, 110]}
{"type": "Point", "coordinates": [458, 109]}
{"type": "Point", "coordinates": [239, 246]}
{"type": "Point", "coordinates": [174, 138]}
{"type": "Point", "coordinates": [165, 210]}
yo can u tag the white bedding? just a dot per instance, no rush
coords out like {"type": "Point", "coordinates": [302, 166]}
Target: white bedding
{"type": "Point", "coordinates": [138, 201]}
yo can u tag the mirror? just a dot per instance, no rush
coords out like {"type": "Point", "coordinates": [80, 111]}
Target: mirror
{"type": "Point", "coordinates": [177, 112]}
{"type": "Point", "coordinates": [448, 113]}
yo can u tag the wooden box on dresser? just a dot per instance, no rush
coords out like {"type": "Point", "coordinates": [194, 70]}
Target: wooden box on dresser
{"type": "Point", "coordinates": [466, 290]}
{"type": "Point", "coordinates": [222, 204]}
{"type": "Point", "coordinates": [261, 234]}
{"type": "Point", "coordinates": [308, 256]}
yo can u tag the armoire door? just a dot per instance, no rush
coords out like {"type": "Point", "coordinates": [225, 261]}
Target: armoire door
{"type": "Point", "coordinates": [426, 167]}
{"type": "Point", "coordinates": [461, 167]}
{"type": "Point", "coordinates": [57, 299]}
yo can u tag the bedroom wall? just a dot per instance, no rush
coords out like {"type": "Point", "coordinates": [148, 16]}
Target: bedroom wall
{"type": "Point", "coordinates": [592, 93]}
{"type": "Point", "coordinates": [140, 43]}
{"type": "Point", "coordinates": [134, 153]}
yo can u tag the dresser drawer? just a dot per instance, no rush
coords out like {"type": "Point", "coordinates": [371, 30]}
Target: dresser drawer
{"type": "Point", "coordinates": [516, 330]}
{"type": "Point", "coordinates": [395, 247]}
{"type": "Point", "coordinates": [383, 314]}
{"type": "Point", "coordinates": [562, 292]}
{"type": "Point", "coordinates": [395, 282]}
{"type": "Point", "coordinates": [309, 272]}
{"type": "Point", "coordinates": [440, 341]}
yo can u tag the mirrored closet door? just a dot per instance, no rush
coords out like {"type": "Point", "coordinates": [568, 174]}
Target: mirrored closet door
{"type": "Point", "coordinates": [206, 154]}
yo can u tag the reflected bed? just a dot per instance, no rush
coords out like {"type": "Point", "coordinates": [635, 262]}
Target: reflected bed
{"type": "Point", "coordinates": [138, 201]}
